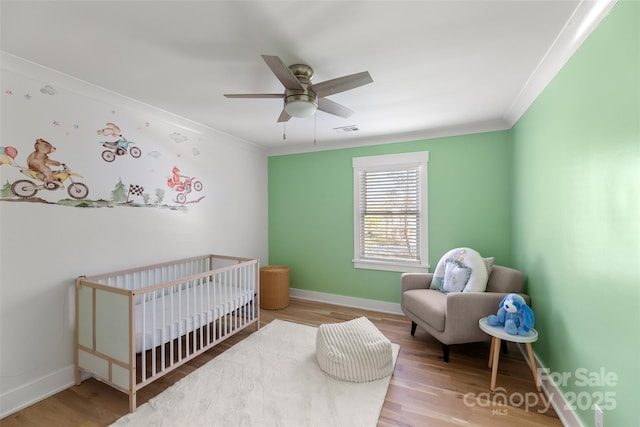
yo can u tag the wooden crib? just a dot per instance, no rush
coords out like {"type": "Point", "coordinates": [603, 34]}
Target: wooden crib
{"type": "Point", "coordinates": [134, 326]}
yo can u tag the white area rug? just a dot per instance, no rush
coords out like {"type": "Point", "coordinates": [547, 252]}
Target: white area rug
{"type": "Point", "coordinates": [271, 378]}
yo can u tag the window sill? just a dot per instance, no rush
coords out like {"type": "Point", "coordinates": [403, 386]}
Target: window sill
{"type": "Point", "coordinates": [391, 266]}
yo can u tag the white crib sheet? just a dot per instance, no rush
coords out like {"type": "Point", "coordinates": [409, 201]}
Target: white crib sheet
{"type": "Point", "coordinates": [176, 314]}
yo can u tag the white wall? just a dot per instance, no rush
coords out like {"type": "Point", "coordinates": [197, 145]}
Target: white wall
{"type": "Point", "coordinates": [45, 246]}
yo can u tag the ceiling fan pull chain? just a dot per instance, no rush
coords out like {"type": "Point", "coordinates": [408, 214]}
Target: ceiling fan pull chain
{"type": "Point", "coordinates": [315, 128]}
{"type": "Point", "coordinates": [284, 131]}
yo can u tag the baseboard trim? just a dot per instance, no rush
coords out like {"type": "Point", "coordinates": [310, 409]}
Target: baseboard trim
{"type": "Point", "coordinates": [26, 395]}
{"type": "Point", "coordinates": [567, 416]}
{"type": "Point", "coordinates": [345, 301]}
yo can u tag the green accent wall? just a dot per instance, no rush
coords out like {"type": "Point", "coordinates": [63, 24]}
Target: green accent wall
{"type": "Point", "coordinates": [311, 210]}
{"type": "Point", "coordinates": [557, 196]}
{"type": "Point", "coordinates": [577, 218]}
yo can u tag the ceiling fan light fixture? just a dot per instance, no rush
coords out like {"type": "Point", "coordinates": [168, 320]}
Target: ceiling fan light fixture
{"type": "Point", "coordinates": [299, 108]}
{"type": "Point", "coordinates": [300, 104]}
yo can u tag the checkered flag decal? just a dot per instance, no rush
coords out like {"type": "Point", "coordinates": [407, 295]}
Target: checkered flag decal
{"type": "Point", "coordinates": [136, 190]}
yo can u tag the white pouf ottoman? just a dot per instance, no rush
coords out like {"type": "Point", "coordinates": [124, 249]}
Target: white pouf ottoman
{"type": "Point", "coordinates": [354, 351]}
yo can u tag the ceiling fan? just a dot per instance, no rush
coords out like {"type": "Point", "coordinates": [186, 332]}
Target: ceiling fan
{"type": "Point", "coordinates": [301, 97]}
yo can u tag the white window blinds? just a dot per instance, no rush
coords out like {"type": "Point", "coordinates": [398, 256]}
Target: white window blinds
{"type": "Point", "coordinates": [390, 211]}
{"type": "Point", "coordinates": [389, 214]}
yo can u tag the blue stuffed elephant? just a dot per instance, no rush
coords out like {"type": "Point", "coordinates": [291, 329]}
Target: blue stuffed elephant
{"type": "Point", "coordinates": [514, 314]}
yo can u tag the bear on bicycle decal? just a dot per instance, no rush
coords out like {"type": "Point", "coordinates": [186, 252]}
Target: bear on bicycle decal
{"type": "Point", "coordinates": [39, 169]}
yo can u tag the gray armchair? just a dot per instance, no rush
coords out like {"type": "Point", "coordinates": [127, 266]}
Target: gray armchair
{"type": "Point", "coordinates": [453, 318]}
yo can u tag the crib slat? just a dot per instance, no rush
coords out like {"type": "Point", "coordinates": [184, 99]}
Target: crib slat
{"type": "Point", "coordinates": [153, 334]}
{"type": "Point", "coordinates": [171, 325]}
{"type": "Point", "coordinates": [179, 325]}
{"type": "Point", "coordinates": [143, 325]}
{"type": "Point", "coordinates": [162, 337]}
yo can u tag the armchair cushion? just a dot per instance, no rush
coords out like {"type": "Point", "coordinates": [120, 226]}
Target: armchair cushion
{"type": "Point", "coordinates": [430, 302]}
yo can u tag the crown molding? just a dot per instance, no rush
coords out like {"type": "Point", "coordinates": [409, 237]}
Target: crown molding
{"type": "Point", "coordinates": [585, 18]}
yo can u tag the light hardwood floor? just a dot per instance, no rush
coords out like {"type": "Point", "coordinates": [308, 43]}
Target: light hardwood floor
{"type": "Point", "coordinates": [424, 391]}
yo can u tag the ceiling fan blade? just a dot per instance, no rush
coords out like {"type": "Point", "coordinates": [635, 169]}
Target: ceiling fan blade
{"type": "Point", "coordinates": [282, 72]}
{"type": "Point", "coordinates": [334, 108]}
{"type": "Point", "coordinates": [284, 117]}
{"type": "Point", "coordinates": [253, 95]}
{"type": "Point", "coordinates": [341, 84]}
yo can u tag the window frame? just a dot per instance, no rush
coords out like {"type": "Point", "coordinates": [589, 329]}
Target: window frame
{"type": "Point", "coordinates": [388, 162]}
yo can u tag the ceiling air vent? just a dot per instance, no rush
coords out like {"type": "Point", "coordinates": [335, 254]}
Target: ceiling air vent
{"type": "Point", "coordinates": [346, 129]}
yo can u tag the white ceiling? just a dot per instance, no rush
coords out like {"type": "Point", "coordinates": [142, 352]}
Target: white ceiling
{"type": "Point", "coordinates": [439, 67]}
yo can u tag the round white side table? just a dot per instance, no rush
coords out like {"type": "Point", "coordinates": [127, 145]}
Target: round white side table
{"type": "Point", "coordinates": [497, 334]}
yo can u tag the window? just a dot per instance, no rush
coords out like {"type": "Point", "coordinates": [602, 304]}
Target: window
{"type": "Point", "coordinates": [390, 212]}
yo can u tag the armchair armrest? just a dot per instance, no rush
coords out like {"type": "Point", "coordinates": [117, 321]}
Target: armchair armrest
{"type": "Point", "coordinates": [410, 281]}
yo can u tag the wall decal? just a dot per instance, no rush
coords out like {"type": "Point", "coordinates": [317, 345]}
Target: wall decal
{"type": "Point", "coordinates": [7, 154]}
{"type": "Point", "coordinates": [119, 147]}
{"type": "Point", "coordinates": [183, 186]}
{"type": "Point", "coordinates": [135, 190]}
{"type": "Point", "coordinates": [48, 90]}
{"type": "Point", "coordinates": [120, 194]}
{"type": "Point", "coordinates": [178, 138]}
{"type": "Point", "coordinates": [39, 170]}
{"type": "Point", "coordinates": [39, 161]}
{"type": "Point", "coordinates": [111, 129]}
{"type": "Point", "coordinates": [27, 189]}
{"type": "Point", "coordinates": [66, 167]}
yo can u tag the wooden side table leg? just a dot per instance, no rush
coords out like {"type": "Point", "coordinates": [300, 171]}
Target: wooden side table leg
{"type": "Point", "coordinates": [492, 346]}
{"type": "Point", "coordinates": [532, 363]}
{"type": "Point", "coordinates": [496, 356]}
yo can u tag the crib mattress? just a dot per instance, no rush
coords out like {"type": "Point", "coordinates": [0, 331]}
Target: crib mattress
{"type": "Point", "coordinates": [168, 316]}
